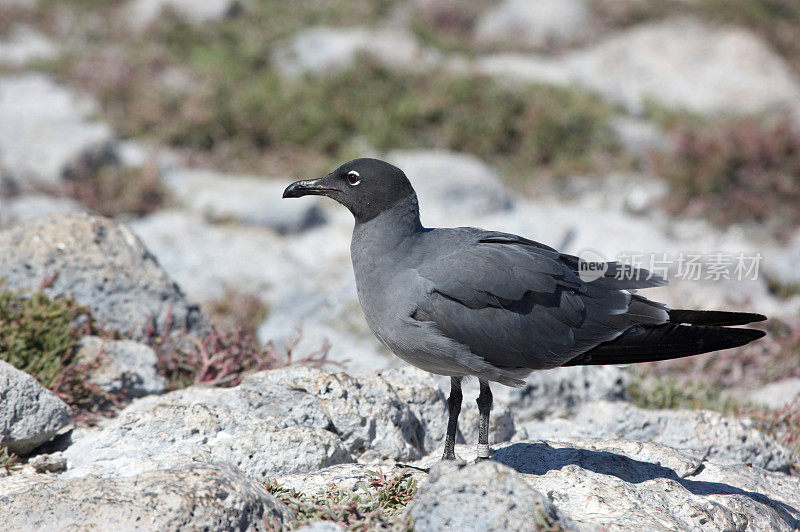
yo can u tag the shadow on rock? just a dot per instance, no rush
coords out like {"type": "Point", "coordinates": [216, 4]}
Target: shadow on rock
{"type": "Point", "coordinates": [539, 458]}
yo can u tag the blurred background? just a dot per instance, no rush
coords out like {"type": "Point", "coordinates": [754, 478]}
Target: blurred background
{"type": "Point", "coordinates": [620, 127]}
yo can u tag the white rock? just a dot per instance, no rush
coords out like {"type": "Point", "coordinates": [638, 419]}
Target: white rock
{"type": "Point", "coordinates": [324, 50]}
{"type": "Point", "coordinates": [244, 199]}
{"type": "Point", "coordinates": [781, 261]}
{"type": "Point", "coordinates": [287, 421]}
{"type": "Point", "coordinates": [35, 205]}
{"type": "Point", "coordinates": [197, 497]}
{"type": "Point", "coordinates": [30, 414]}
{"type": "Point", "coordinates": [43, 128]}
{"type": "Point", "coordinates": [485, 496]}
{"type": "Point", "coordinates": [682, 64]}
{"type": "Point", "coordinates": [636, 136]}
{"type": "Point", "coordinates": [532, 24]}
{"type": "Point", "coordinates": [724, 440]}
{"type": "Point", "coordinates": [777, 394]}
{"type": "Point", "coordinates": [452, 188]}
{"type": "Point", "coordinates": [613, 485]}
{"type": "Point", "coordinates": [524, 68]}
{"type": "Point", "coordinates": [144, 12]}
{"type": "Point", "coordinates": [26, 44]}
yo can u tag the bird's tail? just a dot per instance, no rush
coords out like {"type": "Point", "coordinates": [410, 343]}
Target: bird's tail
{"type": "Point", "coordinates": [703, 332]}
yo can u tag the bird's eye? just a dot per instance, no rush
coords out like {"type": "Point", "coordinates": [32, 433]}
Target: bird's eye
{"type": "Point", "coordinates": [353, 177]}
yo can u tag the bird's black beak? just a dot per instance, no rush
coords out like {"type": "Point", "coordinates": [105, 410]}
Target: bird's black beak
{"type": "Point", "coordinates": [311, 187]}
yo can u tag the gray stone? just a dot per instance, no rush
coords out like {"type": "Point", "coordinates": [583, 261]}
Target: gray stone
{"type": "Point", "coordinates": [44, 128]}
{"type": "Point", "coordinates": [205, 259]}
{"type": "Point", "coordinates": [419, 390]}
{"type": "Point", "coordinates": [35, 205]}
{"type": "Point", "coordinates": [197, 497]}
{"type": "Point", "coordinates": [453, 184]}
{"type": "Point", "coordinates": [309, 320]}
{"type": "Point", "coordinates": [483, 496]}
{"type": "Point", "coordinates": [145, 12]}
{"type": "Point", "coordinates": [30, 415]}
{"type": "Point", "coordinates": [244, 199]}
{"type": "Point", "coordinates": [325, 50]}
{"type": "Point", "coordinates": [125, 366]}
{"type": "Point", "coordinates": [100, 264]}
{"type": "Point", "coordinates": [371, 419]}
{"type": "Point", "coordinates": [25, 44]}
{"type": "Point", "coordinates": [621, 484]}
{"type": "Point", "coordinates": [778, 394]}
{"type": "Point", "coordinates": [638, 137]}
{"type": "Point", "coordinates": [293, 420]}
{"type": "Point", "coordinates": [564, 391]}
{"type": "Point", "coordinates": [525, 24]}
{"type": "Point", "coordinates": [49, 463]}
{"type": "Point", "coordinates": [682, 64]}
{"type": "Point", "coordinates": [723, 440]}
{"type": "Point", "coordinates": [201, 425]}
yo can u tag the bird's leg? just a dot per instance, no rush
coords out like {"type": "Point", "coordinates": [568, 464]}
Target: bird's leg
{"type": "Point", "coordinates": [484, 407]}
{"type": "Point", "coordinates": [454, 408]}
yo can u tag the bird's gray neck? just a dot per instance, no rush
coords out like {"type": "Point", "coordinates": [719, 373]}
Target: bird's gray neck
{"type": "Point", "coordinates": [392, 226]}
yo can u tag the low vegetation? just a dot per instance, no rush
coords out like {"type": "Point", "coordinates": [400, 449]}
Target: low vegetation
{"type": "Point", "coordinates": [377, 503]}
{"type": "Point", "coordinates": [39, 335]}
{"type": "Point", "coordinates": [740, 170]}
{"type": "Point", "coordinates": [110, 189]}
{"type": "Point", "coordinates": [8, 461]}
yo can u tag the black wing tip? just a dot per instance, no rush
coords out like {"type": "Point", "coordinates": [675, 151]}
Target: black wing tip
{"type": "Point", "coordinates": [714, 317]}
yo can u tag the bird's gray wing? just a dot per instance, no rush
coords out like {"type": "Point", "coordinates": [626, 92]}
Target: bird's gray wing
{"type": "Point", "coordinates": [518, 303]}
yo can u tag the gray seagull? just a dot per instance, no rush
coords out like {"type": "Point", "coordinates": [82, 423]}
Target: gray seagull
{"type": "Point", "coordinates": [464, 301]}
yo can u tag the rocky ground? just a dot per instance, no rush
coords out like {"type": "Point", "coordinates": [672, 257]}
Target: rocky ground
{"type": "Point", "coordinates": [180, 348]}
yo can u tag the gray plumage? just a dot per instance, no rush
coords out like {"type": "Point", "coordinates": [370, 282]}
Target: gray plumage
{"type": "Point", "coordinates": [497, 306]}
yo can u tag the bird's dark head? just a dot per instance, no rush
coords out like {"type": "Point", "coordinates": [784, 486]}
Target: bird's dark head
{"type": "Point", "coordinates": [365, 186]}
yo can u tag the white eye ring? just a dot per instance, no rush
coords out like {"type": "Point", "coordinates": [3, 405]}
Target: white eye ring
{"type": "Point", "coordinates": [353, 178]}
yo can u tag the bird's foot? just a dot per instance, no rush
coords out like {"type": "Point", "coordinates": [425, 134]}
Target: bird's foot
{"type": "Point", "coordinates": [484, 452]}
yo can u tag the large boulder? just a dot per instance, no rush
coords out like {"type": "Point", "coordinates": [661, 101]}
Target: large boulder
{"type": "Point", "coordinates": [683, 64]}
{"type": "Point", "coordinates": [293, 420]}
{"type": "Point", "coordinates": [100, 264]}
{"type": "Point", "coordinates": [197, 497]}
{"type": "Point", "coordinates": [611, 484]}
{"type": "Point", "coordinates": [44, 128]}
{"type": "Point", "coordinates": [30, 414]}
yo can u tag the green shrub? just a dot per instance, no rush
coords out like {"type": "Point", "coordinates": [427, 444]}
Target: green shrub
{"type": "Point", "coordinates": [38, 335]}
